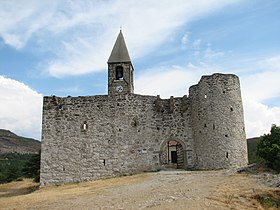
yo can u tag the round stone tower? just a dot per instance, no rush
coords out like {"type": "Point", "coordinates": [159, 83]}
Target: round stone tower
{"type": "Point", "coordinates": [218, 122]}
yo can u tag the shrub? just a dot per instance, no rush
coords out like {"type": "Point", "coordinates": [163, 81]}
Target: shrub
{"type": "Point", "coordinates": [269, 148]}
{"type": "Point", "coordinates": [32, 168]}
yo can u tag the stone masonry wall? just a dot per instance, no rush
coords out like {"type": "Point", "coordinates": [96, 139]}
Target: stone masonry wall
{"type": "Point", "coordinates": [85, 138]}
{"type": "Point", "coordinates": [127, 81]}
{"type": "Point", "coordinates": [218, 123]}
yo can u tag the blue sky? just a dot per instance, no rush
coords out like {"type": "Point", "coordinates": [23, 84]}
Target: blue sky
{"type": "Point", "coordinates": [62, 47]}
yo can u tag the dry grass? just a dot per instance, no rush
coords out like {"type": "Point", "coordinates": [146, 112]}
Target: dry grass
{"type": "Point", "coordinates": [195, 190]}
{"type": "Point", "coordinates": [243, 193]}
{"type": "Point", "coordinates": [23, 195]}
{"type": "Point", "coordinates": [18, 188]}
{"type": "Point", "coordinates": [267, 199]}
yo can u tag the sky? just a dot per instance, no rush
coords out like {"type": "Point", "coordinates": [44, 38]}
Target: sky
{"type": "Point", "coordinates": [61, 48]}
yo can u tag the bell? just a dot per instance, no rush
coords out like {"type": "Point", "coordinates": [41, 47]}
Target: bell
{"type": "Point", "coordinates": [119, 74]}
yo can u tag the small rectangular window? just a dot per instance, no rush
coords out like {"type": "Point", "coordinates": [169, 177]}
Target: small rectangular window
{"type": "Point", "coordinates": [84, 126]}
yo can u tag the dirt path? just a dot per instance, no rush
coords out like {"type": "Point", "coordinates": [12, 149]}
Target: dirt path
{"type": "Point", "coordinates": [161, 190]}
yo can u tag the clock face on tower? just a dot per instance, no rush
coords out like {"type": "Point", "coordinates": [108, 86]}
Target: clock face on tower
{"type": "Point", "coordinates": [119, 88]}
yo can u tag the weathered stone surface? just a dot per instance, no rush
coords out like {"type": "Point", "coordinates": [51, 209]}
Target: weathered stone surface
{"type": "Point", "coordinates": [218, 123]}
{"type": "Point", "coordinates": [90, 137]}
{"type": "Point", "coordinates": [86, 138]}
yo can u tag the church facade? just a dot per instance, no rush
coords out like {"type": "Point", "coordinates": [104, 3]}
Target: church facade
{"type": "Point", "coordinates": [122, 133]}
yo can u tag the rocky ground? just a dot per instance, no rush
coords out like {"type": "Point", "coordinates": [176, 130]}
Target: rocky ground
{"type": "Point", "coordinates": [222, 189]}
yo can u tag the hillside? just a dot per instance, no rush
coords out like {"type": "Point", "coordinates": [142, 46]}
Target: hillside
{"type": "Point", "coordinates": [11, 143]}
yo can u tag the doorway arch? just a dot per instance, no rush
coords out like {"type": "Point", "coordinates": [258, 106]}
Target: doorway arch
{"type": "Point", "coordinates": [173, 154]}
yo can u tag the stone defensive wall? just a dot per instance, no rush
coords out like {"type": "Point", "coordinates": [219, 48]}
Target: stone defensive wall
{"type": "Point", "coordinates": [91, 137]}
{"type": "Point", "coordinates": [84, 138]}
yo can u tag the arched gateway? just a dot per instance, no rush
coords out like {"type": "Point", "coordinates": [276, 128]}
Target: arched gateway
{"type": "Point", "coordinates": [173, 154]}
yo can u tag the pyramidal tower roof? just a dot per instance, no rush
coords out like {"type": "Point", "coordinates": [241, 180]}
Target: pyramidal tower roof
{"type": "Point", "coordinates": [119, 52]}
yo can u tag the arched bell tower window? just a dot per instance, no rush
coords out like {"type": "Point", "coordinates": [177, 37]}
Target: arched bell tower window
{"type": "Point", "coordinates": [119, 73]}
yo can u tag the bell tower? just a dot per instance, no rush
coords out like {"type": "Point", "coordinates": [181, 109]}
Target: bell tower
{"type": "Point", "coordinates": [120, 69]}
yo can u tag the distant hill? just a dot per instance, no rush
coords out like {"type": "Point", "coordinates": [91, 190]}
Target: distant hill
{"type": "Point", "coordinates": [11, 143]}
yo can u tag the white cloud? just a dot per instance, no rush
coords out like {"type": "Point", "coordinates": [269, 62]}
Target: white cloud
{"type": "Point", "coordinates": [262, 86]}
{"type": "Point", "coordinates": [78, 58]}
{"type": "Point", "coordinates": [21, 19]}
{"type": "Point", "coordinates": [272, 63]}
{"type": "Point", "coordinates": [171, 81]}
{"type": "Point", "coordinates": [185, 40]}
{"type": "Point", "coordinates": [256, 89]}
{"type": "Point", "coordinates": [199, 49]}
{"type": "Point", "coordinates": [259, 117]}
{"type": "Point", "coordinates": [20, 108]}
{"type": "Point", "coordinates": [81, 33]}
{"type": "Point", "coordinates": [209, 53]}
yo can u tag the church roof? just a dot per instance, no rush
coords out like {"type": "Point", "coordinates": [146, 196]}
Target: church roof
{"type": "Point", "coordinates": [119, 52]}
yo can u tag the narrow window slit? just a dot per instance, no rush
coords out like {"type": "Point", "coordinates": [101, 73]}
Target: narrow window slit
{"type": "Point", "coordinates": [84, 126]}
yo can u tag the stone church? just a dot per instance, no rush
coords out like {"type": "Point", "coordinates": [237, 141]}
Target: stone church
{"type": "Point", "coordinates": [122, 133]}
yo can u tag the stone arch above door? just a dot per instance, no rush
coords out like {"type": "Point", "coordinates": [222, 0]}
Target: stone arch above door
{"type": "Point", "coordinates": [173, 154]}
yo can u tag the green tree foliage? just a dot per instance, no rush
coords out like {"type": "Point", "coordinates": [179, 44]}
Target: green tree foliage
{"type": "Point", "coordinates": [32, 168]}
{"type": "Point", "coordinates": [269, 148]}
{"type": "Point", "coordinates": [14, 166]}
{"type": "Point", "coordinates": [252, 145]}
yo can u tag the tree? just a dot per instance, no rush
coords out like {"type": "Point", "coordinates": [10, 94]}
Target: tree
{"type": "Point", "coordinates": [14, 166]}
{"type": "Point", "coordinates": [32, 167]}
{"type": "Point", "coordinates": [269, 148]}
{"type": "Point", "coordinates": [13, 171]}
